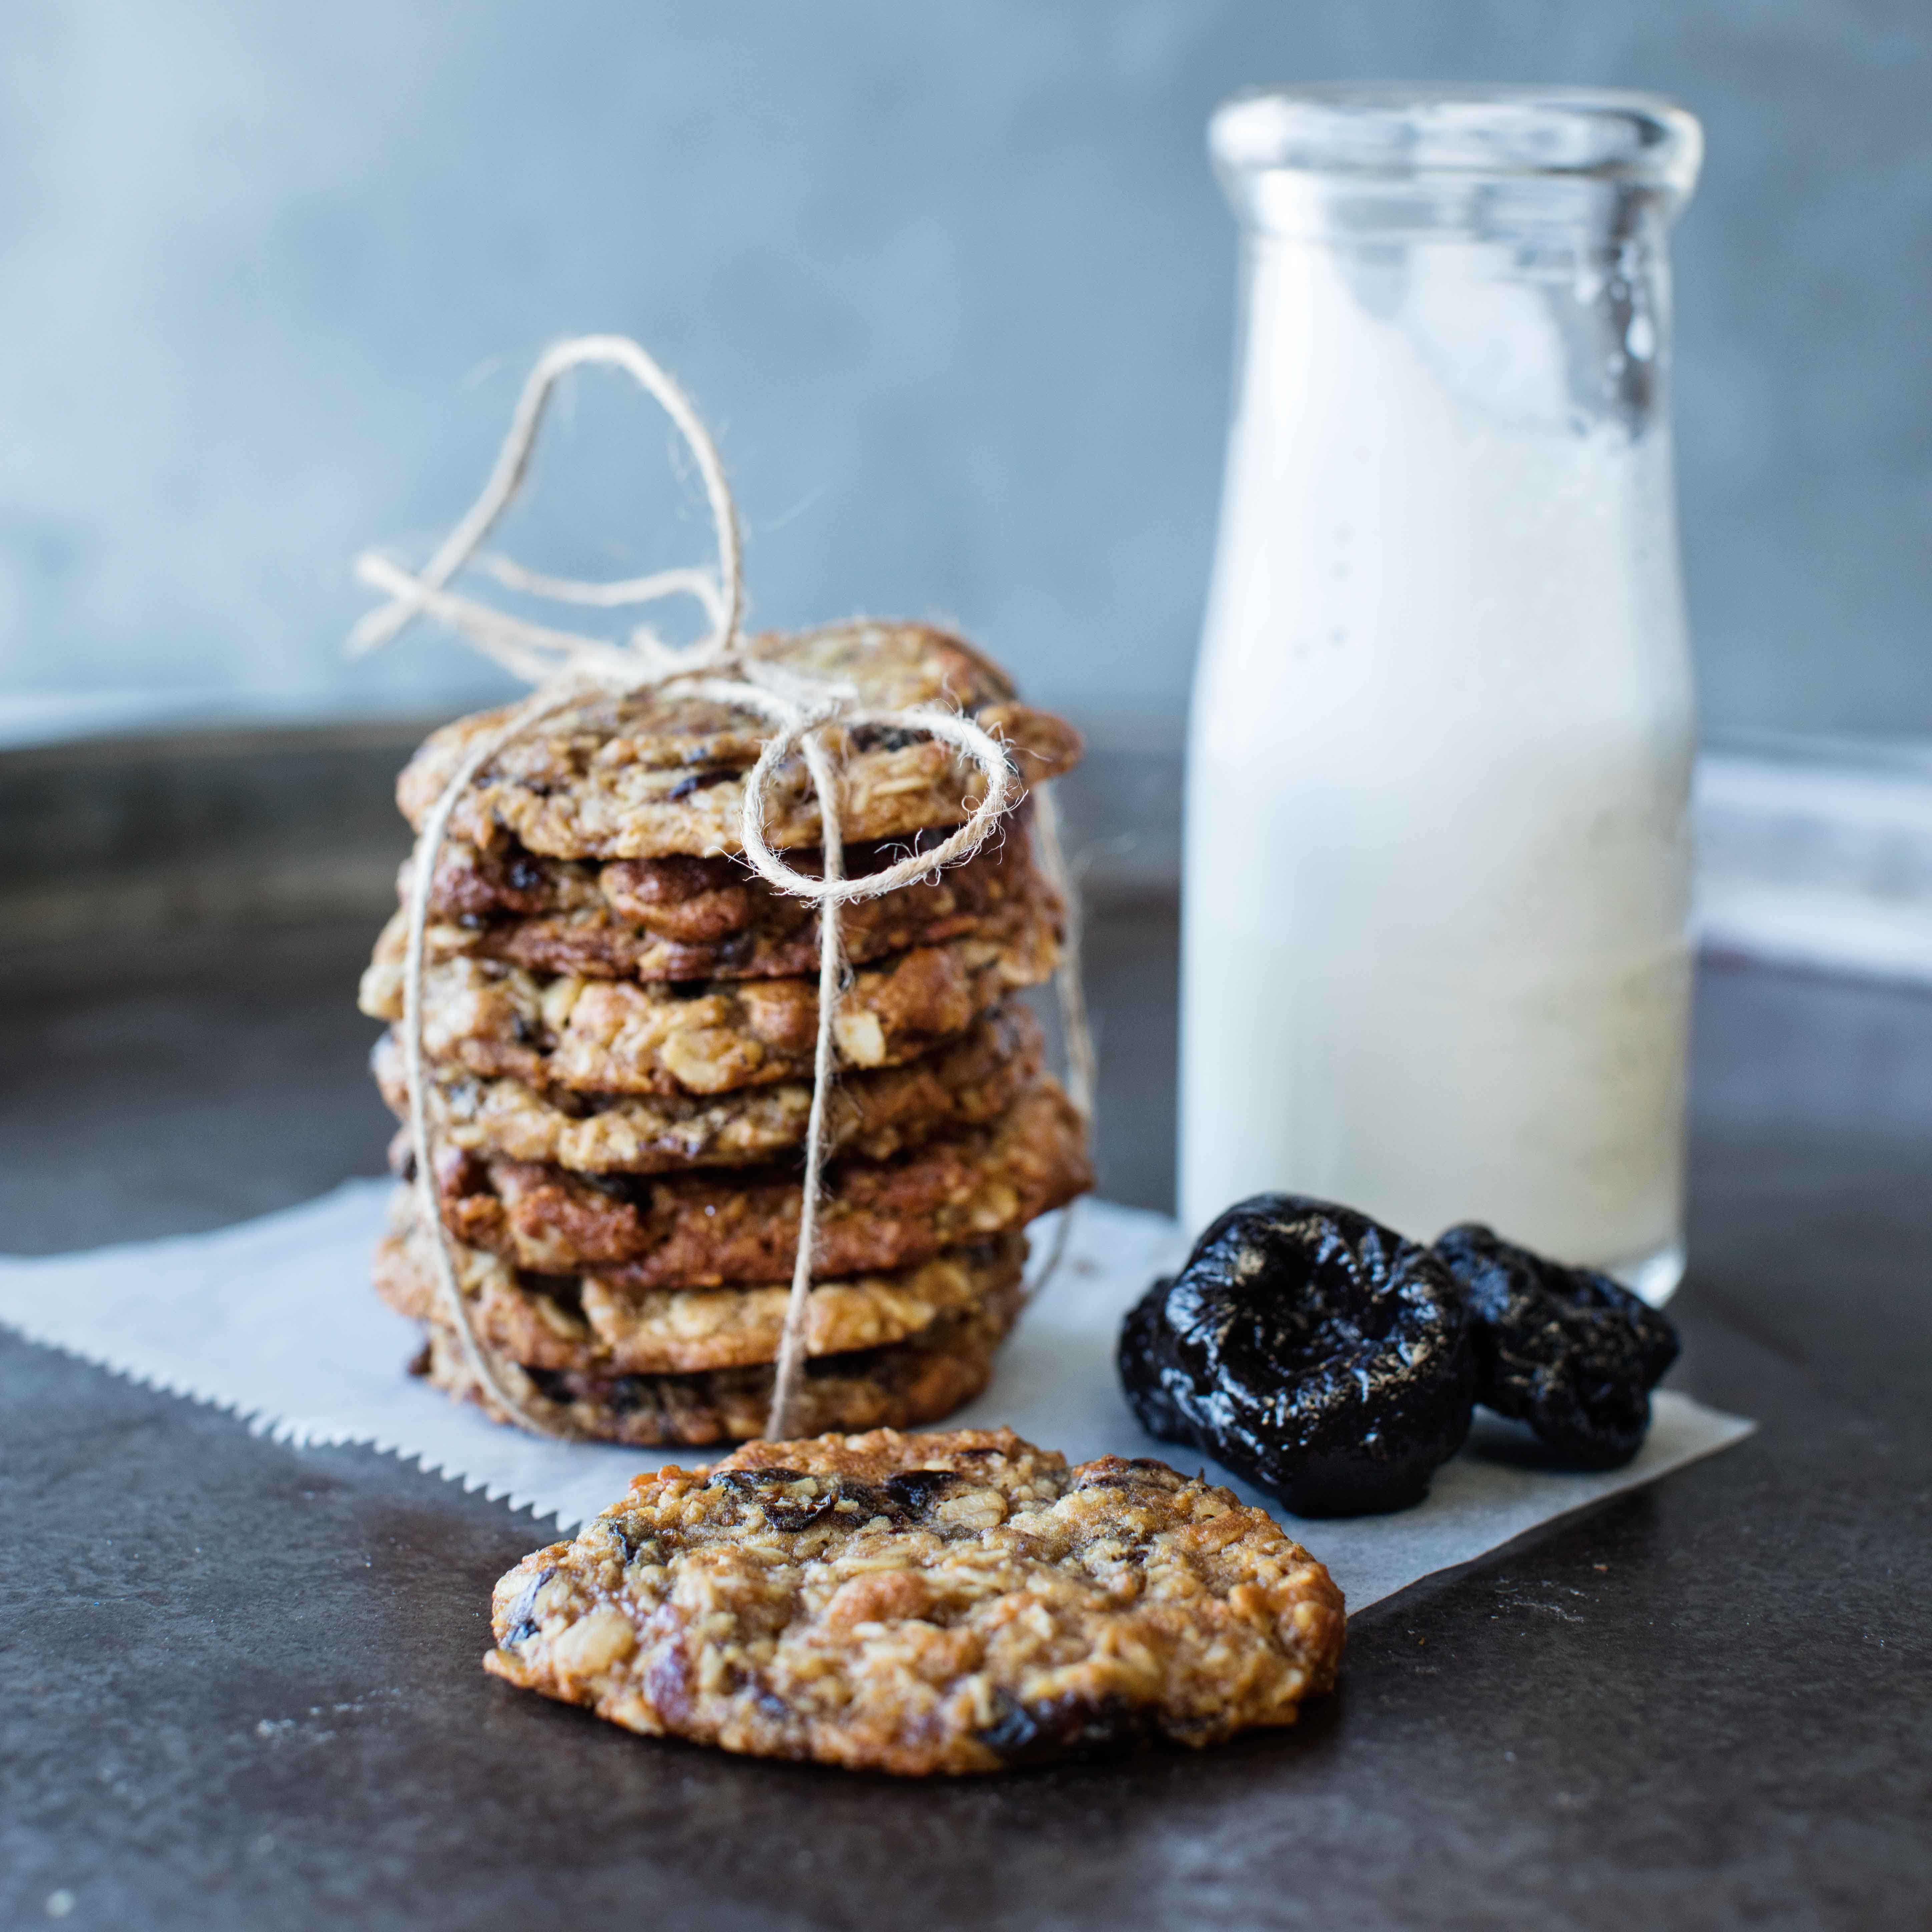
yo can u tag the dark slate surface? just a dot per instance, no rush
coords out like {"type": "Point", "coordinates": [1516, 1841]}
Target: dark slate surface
{"type": "Point", "coordinates": [238, 1682]}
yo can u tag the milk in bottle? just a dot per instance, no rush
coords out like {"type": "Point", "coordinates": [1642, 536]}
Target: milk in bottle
{"type": "Point", "coordinates": [1435, 960]}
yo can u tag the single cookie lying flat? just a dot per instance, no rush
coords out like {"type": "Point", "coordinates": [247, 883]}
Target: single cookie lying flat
{"type": "Point", "coordinates": [707, 1228]}
{"type": "Point", "coordinates": [617, 1036]}
{"type": "Point", "coordinates": [920, 1380]}
{"type": "Point", "coordinates": [683, 918]}
{"type": "Point", "coordinates": [873, 1116]}
{"type": "Point", "coordinates": [948, 1603]}
{"type": "Point", "coordinates": [585, 1323]}
{"type": "Point", "coordinates": [663, 772]}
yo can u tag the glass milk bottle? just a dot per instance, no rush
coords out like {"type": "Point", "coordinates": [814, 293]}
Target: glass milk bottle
{"type": "Point", "coordinates": [1435, 962]}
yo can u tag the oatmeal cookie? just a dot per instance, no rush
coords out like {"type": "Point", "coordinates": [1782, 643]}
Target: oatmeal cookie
{"type": "Point", "coordinates": [920, 1380]}
{"type": "Point", "coordinates": [706, 1228]}
{"type": "Point", "coordinates": [638, 777]}
{"type": "Point", "coordinates": [684, 918]}
{"type": "Point", "coordinates": [584, 1323]}
{"type": "Point", "coordinates": [708, 1037]}
{"type": "Point", "coordinates": [872, 1116]}
{"type": "Point", "coordinates": [950, 1603]}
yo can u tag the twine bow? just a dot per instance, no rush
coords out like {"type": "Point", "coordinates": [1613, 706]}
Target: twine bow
{"type": "Point", "coordinates": [567, 668]}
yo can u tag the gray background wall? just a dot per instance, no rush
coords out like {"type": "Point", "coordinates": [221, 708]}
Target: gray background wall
{"type": "Point", "coordinates": [952, 280]}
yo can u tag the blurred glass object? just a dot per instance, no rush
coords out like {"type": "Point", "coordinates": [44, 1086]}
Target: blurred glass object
{"type": "Point", "coordinates": [1435, 960]}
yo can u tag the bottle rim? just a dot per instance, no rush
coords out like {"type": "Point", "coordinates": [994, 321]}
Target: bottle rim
{"type": "Point", "coordinates": [1401, 131]}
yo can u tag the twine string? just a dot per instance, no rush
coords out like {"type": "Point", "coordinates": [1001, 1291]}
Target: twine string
{"type": "Point", "coordinates": [567, 668]}
{"type": "Point", "coordinates": [532, 711]}
{"type": "Point", "coordinates": [506, 478]}
{"type": "Point", "coordinates": [789, 1374]}
{"type": "Point", "coordinates": [1070, 995]}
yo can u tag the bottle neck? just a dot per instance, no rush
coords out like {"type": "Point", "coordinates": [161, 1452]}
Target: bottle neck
{"type": "Point", "coordinates": [1574, 216]}
{"type": "Point", "coordinates": [1582, 168]}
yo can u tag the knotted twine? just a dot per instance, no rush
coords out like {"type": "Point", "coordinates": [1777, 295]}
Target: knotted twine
{"type": "Point", "coordinates": [567, 668]}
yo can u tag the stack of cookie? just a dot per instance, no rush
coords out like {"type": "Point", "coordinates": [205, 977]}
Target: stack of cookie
{"type": "Point", "coordinates": [619, 1017]}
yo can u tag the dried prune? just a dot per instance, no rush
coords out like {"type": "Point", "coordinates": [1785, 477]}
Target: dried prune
{"type": "Point", "coordinates": [901, 1499]}
{"type": "Point", "coordinates": [1564, 1349]}
{"type": "Point", "coordinates": [1067, 1726]}
{"type": "Point", "coordinates": [1311, 1350]}
{"type": "Point", "coordinates": [913, 1491]}
{"type": "Point", "coordinates": [777, 1492]}
{"type": "Point", "coordinates": [521, 1620]}
{"type": "Point", "coordinates": [702, 782]}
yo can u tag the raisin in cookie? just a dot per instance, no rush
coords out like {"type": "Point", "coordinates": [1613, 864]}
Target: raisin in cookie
{"type": "Point", "coordinates": [952, 1602]}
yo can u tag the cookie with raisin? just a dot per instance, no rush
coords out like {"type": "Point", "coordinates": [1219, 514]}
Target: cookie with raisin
{"type": "Point", "coordinates": [945, 1604]}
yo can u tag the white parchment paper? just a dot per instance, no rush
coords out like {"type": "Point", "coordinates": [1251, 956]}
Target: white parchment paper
{"type": "Point", "coordinates": [274, 1319]}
